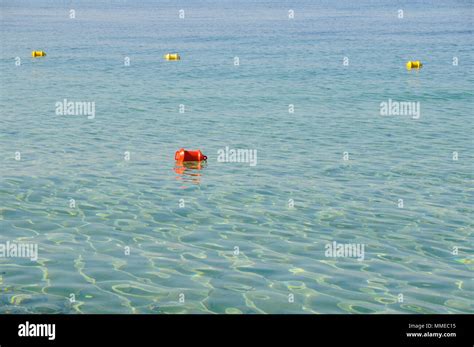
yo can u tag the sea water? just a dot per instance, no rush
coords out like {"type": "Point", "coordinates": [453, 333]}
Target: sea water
{"type": "Point", "coordinates": [120, 228]}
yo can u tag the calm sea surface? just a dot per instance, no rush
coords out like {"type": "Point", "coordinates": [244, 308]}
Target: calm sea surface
{"type": "Point", "coordinates": [148, 236]}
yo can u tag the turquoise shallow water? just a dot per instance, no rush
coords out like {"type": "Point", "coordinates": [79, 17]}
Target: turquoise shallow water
{"type": "Point", "coordinates": [190, 250]}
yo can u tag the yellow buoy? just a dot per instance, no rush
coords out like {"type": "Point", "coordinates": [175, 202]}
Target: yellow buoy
{"type": "Point", "coordinates": [35, 54]}
{"type": "Point", "coordinates": [172, 56]}
{"type": "Point", "coordinates": [414, 65]}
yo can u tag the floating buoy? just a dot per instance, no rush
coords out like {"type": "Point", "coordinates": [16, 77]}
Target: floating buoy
{"type": "Point", "coordinates": [35, 54]}
{"type": "Point", "coordinates": [183, 155]}
{"type": "Point", "coordinates": [172, 56]}
{"type": "Point", "coordinates": [414, 65]}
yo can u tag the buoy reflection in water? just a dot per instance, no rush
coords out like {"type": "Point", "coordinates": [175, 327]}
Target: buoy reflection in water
{"type": "Point", "coordinates": [190, 171]}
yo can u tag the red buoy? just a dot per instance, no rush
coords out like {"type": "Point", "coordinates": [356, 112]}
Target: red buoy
{"type": "Point", "coordinates": [183, 155]}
